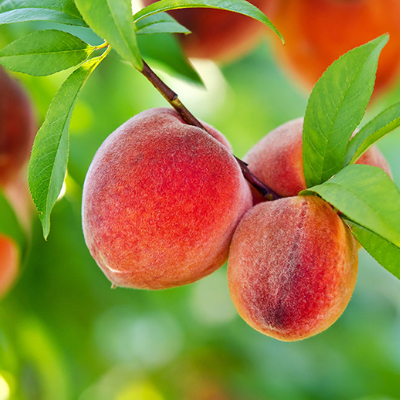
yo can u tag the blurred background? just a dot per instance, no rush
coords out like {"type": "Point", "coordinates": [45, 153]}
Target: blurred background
{"type": "Point", "coordinates": [65, 334]}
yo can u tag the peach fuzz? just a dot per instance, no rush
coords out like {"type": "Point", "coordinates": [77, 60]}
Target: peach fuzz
{"type": "Point", "coordinates": [218, 34]}
{"type": "Point", "coordinates": [277, 159]}
{"type": "Point", "coordinates": [9, 261]}
{"type": "Point", "coordinates": [17, 127]}
{"type": "Point", "coordinates": [161, 201]}
{"type": "Point", "coordinates": [317, 32]}
{"type": "Point", "coordinates": [292, 267]}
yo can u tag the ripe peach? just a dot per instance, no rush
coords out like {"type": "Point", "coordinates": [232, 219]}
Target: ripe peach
{"type": "Point", "coordinates": [220, 35]}
{"type": "Point", "coordinates": [292, 267]}
{"type": "Point", "coordinates": [317, 32]}
{"type": "Point", "coordinates": [17, 131]}
{"type": "Point", "coordinates": [161, 201]}
{"type": "Point", "coordinates": [375, 158]}
{"type": "Point", "coordinates": [17, 127]}
{"type": "Point", "coordinates": [277, 159]}
{"type": "Point", "coordinates": [9, 261]}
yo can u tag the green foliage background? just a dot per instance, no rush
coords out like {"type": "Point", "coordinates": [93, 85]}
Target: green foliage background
{"type": "Point", "coordinates": [64, 334]}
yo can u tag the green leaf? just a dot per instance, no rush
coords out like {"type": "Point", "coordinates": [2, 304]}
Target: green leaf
{"type": "Point", "coordinates": [165, 51]}
{"type": "Point", "coordinates": [385, 252]}
{"type": "Point", "coordinates": [48, 163]}
{"type": "Point", "coordinates": [159, 23]}
{"type": "Point", "coordinates": [61, 11]}
{"type": "Point", "coordinates": [335, 108]}
{"type": "Point", "coordinates": [238, 6]}
{"type": "Point", "coordinates": [112, 20]}
{"type": "Point", "coordinates": [376, 129]}
{"type": "Point", "coordinates": [367, 196]}
{"type": "Point", "coordinates": [45, 53]}
{"type": "Point", "coordinates": [9, 223]}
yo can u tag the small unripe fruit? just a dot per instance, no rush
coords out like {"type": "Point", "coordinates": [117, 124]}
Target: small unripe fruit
{"type": "Point", "coordinates": [292, 267]}
{"type": "Point", "coordinates": [161, 201]}
{"type": "Point", "coordinates": [277, 159]}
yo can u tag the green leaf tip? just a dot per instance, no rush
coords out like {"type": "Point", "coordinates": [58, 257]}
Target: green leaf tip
{"type": "Point", "coordinates": [45, 53]}
{"type": "Point", "coordinates": [335, 108]}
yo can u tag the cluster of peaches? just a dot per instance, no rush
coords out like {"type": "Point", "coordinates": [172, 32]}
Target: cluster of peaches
{"type": "Point", "coordinates": [165, 204]}
{"type": "Point", "coordinates": [17, 131]}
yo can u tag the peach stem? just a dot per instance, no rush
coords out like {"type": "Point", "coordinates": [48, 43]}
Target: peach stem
{"type": "Point", "coordinates": [190, 119]}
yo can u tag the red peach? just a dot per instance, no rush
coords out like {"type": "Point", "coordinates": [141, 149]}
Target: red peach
{"type": "Point", "coordinates": [277, 159]}
{"type": "Point", "coordinates": [375, 158]}
{"type": "Point", "coordinates": [9, 261]}
{"type": "Point", "coordinates": [161, 201]}
{"type": "Point", "coordinates": [220, 35]}
{"type": "Point", "coordinates": [17, 127]}
{"type": "Point", "coordinates": [17, 131]}
{"type": "Point", "coordinates": [317, 32]}
{"type": "Point", "coordinates": [292, 267]}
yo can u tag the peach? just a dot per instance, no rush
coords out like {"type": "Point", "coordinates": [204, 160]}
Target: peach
{"type": "Point", "coordinates": [317, 32]}
{"type": "Point", "coordinates": [17, 127]}
{"type": "Point", "coordinates": [375, 158]}
{"type": "Point", "coordinates": [17, 131]}
{"type": "Point", "coordinates": [277, 159]}
{"type": "Point", "coordinates": [220, 35]}
{"type": "Point", "coordinates": [9, 261]}
{"type": "Point", "coordinates": [161, 201]}
{"type": "Point", "coordinates": [292, 267]}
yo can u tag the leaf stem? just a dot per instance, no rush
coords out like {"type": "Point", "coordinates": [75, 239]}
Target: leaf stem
{"type": "Point", "coordinates": [102, 46]}
{"type": "Point", "coordinates": [190, 119]}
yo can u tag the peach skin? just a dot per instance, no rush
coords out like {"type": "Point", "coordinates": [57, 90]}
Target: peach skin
{"type": "Point", "coordinates": [161, 201]}
{"type": "Point", "coordinates": [292, 267]}
{"type": "Point", "coordinates": [9, 261]}
{"type": "Point", "coordinates": [17, 127]}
